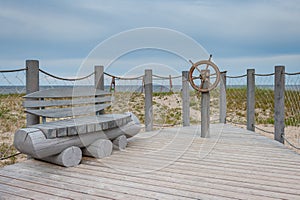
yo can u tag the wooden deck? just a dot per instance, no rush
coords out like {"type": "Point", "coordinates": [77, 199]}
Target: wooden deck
{"type": "Point", "coordinates": [168, 164]}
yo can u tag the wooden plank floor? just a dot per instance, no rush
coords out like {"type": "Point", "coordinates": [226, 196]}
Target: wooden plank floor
{"type": "Point", "coordinates": [168, 164]}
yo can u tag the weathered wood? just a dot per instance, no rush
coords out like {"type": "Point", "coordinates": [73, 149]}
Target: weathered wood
{"type": "Point", "coordinates": [99, 82]}
{"type": "Point", "coordinates": [75, 101]}
{"type": "Point", "coordinates": [148, 100]}
{"type": "Point", "coordinates": [34, 142]}
{"type": "Point", "coordinates": [82, 125]}
{"type": "Point", "coordinates": [279, 103]}
{"type": "Point", "coordinates": [32, 85]}
{"type": "Point", "coordinates": [205, 108]}
{"type": "Point", "coordinates": [68, 112]}
{"type": "Point", "coordinates": [99, 149]}
{"type": "Point", "coordinates": [223, 174]}
{"type": "Point", "coordinates": [223, 105]}
{"type": "Point", "coordinates": [49, 140]}
{"type": "Point", "coordinates": [185, 99]}
{"type": "Point", "coordinates": [250, 99]}
{"type": "Point", "coordinates": [99, 77]}
{"type": "Point", "coordinates": [70, 157]}
{"type": "Point", "coordinates": [21, 136]}
{"type": "Point", "coordinates": [67, 92]}
{"type": "Point", "coordinates": [120, 142]}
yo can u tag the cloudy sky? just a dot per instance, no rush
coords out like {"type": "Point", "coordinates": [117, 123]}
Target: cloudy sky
{"type": "Point", "coordinates": [240, 34]}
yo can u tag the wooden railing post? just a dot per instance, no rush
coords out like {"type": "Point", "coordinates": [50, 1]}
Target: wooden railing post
{"type": "Point", "coordinates": [99, 77]}
{"type": "Point", "coordinates": [223, 105]}
{"type": "Point", "coordinates": [32, 85]}
{"type": "Point", "coordinates": [99, 81]}
{"type": "Point", "coordinates": [279, 103]}
{"type": "Point", "coordinates": [205, 108]}
{"type": "Point", "coordinates": [148, 100]}
{"type": "Point", "coordinates": [250, 99]}
{"type": "Point", "coordinates": [185, 99]}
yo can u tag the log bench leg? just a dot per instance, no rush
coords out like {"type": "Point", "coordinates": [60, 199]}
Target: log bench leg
{"type": "Point", "coordinates": [99, 149]}
{"type": "Point", "coordinates": [69, 157]}
{"type": "Point", "coordinates": [120, 142]}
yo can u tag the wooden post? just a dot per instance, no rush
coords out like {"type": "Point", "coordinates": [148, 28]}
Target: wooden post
{"type": "Point", "coordinates": [170, 82]}
{"type": "Point", "coordinates": [279, 103]}
{"type": "Point", "coordinates": [250, 99]}
{"type": "Point", "coordinates": [32, 85]}
{"type": "Point", "coordinates": [99, 81]}
{"type": "Point", "coordinates": [223, 102]}
{"type": "Point", "coordinates": [99, 77]}
{"type": "Point", "coordinates": [205, 107]}
{"type": "Point", "coordinates": [148, 100]}
{"type": "Point", "coordinates": [185, 99]}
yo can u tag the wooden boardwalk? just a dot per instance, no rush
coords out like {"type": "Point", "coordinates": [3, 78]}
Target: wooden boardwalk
{"type": "Point", "coordinates": [168, 164]}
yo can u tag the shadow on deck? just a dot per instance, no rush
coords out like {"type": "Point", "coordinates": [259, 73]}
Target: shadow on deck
{"type": "Point", "coordinates": [168, 164]}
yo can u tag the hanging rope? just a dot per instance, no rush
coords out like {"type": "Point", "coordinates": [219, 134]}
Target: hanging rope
{"type": "Point", "coordinates": [66, 79]}
{"type": "Point", "coordinates": [13, 70]}
{"type": "Point", "coordinates": [271, 74]}
{"type": "Point", "coordinates": [241, 76]}
{"type": "Point", "coordinates": [292, 145]}
{"type": "Point", "coordinates": [165, 77]}
{"type": "Point", "coordinates": [10, 156]}
{"type": "Point", "coordinates": [296, 73]}
{"type": "Point", "coordinates": [270, 132]}
{"type": "Point", "coordinates": [123, 78]}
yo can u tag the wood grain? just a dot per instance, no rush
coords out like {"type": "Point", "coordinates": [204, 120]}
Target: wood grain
{"type": "Point", "coordinates": [168, 164]}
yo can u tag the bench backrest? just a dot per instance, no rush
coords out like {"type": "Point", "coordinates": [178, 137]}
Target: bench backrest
{"type": "Point", "coordinates": [67, 102]}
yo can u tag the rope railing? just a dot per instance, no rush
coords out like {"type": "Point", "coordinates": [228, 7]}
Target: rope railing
{"type": "Point", "coordinates": [13, 70]}
{"type": "Point", "coordinates": [270, 74]}
{"type": "Point", "coordinates": [123, 78]}
{"type": "Point", "coordinates": [241, 76]}
{"type": "Point", "coordinates": [290, 143]}
{"type": "Point", "coordinates": [270, 132]}
{"type": "Point", "coordinates": [10, 156]}
{"type": "Point", "coordinates": [66, 79]}
{"type": "Point", "coordinates": [141, 76]}
{"type": "Point", "coordinates": [291, 74]}
{"type": "Point", "coordinates": [166, 77]}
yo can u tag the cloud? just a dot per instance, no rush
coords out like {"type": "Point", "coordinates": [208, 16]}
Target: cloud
{"type": "Point", "coordinates": [19, 21]}
{"type": "Point", "coordinates": [262, 64]}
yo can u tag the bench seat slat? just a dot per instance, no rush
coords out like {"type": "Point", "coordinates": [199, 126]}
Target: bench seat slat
{"type": "Point", "coordinates": [68, 112]}
{"type": "Point", "coordinates": [90, 100]}
{"type": "Point", "coordinates": [67, 92]}
{"type": "Point", "coordinates": [81, 125]}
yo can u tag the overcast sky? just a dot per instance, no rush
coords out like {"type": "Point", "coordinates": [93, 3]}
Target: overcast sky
{"type": "Point", "coordinates": [240, 34]}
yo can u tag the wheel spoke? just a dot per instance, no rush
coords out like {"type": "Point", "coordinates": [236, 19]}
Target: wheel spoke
{"type": "Point", "coordinates": [207, 66]}
{"type": "Point", "coordinates": [198, 69]}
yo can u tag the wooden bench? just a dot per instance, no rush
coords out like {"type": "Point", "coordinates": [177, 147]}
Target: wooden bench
{"type": "Point", "coordinates": [77, 127]}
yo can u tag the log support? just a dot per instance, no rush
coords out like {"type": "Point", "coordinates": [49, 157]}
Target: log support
{"type": "Point", "coordinates": [120, 142]}
{"type": "Point", "coordinates": [99, 149]}
{"type": "Point", "coordinates": [70, 157]}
